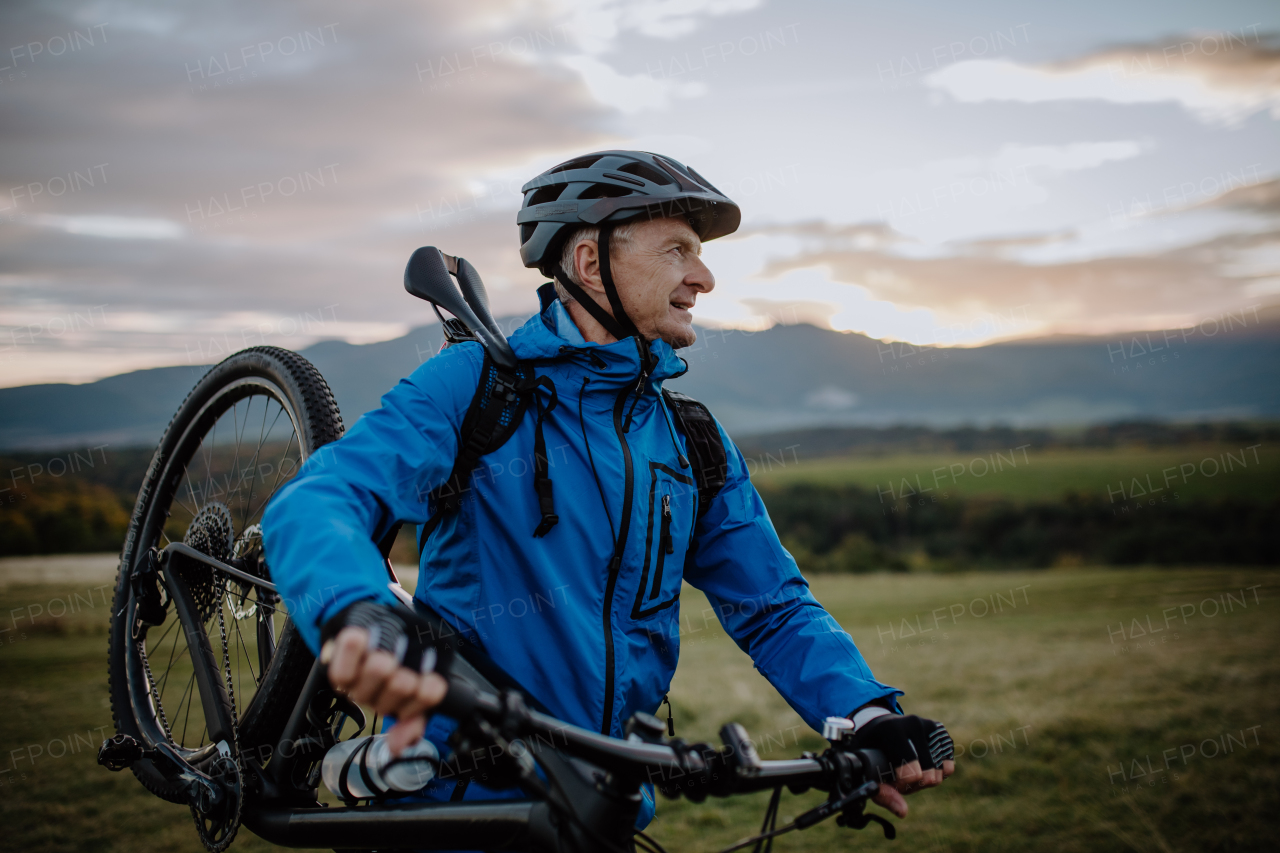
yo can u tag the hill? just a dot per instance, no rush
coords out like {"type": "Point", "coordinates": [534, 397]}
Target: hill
{"type": "Point", "coordinates": [785, 378]}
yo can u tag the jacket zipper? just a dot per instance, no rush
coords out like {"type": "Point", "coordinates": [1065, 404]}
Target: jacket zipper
{"type": "Point", "coordinates": [615, 565]}
{"type": "Point", "coordinates": [665, 546]}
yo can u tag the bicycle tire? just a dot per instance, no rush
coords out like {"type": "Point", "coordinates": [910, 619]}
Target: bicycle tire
{"type": "Point", "coordinates": [301, 393]}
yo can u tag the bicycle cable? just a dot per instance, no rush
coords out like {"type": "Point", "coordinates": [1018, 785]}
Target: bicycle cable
{"type": "Point", "coordinates": [765, 845]}
{"type": "Point", "coordinates": [647, 843]}
{"type": "Point", "coordinates": [756, 839]}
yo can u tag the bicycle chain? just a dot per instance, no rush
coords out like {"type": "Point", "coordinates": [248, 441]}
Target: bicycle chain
{"type": "Point", "coordinates": [229, 832]}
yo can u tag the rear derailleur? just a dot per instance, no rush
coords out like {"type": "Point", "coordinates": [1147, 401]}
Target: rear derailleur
{"type": "Point", "coordinates": [215, 795]}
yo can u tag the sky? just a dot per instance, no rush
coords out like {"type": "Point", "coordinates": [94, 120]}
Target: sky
{"type": "Point", "coordinates": [180, 180]}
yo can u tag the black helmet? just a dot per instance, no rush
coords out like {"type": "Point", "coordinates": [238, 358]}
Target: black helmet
{"type": "Point", "coordinates": [605, 189]}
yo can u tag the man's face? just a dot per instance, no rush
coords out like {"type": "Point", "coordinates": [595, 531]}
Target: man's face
{"type": "Point", "coordinates": [659, 276]}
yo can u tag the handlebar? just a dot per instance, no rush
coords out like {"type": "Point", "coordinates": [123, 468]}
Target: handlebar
{"type": "Point", "coordinates": [546, 756]}
{"type": "Point", "coordinates": [701, 768]}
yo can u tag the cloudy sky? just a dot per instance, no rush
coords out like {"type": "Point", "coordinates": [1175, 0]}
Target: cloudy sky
{"type": "Point", "coordinates": [177, 179]}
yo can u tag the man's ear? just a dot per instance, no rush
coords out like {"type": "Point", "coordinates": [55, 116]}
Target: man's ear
{"type": "Point", "coordinates": [586, 262]}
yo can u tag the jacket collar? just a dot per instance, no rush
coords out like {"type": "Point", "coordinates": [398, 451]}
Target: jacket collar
{"type": "Point", "coordinates": [546, 336]}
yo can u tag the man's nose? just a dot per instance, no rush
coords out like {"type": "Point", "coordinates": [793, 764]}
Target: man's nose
{"type": "Point", "coordinates": [700, 277]}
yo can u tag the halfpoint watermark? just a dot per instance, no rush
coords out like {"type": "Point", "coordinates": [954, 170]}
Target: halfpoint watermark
{"type": "Point", "coordinates": [711, 57]}
{"type": "Point", "coordinates": [236, 67]}
{"type": "Point", "coordinates": [256, 195]}
{"type": "Point", "coordinates": [1141, 631]}
{"type": "Point", "coordinates": [906, 66]}
{"type": "Point", "coordinates": [73, 182]}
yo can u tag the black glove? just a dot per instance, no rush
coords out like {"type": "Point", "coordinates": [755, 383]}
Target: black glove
{"type": "Point", "coordinates": [407, 636]}
{"type": "Point", "coordinates": [904, 739]}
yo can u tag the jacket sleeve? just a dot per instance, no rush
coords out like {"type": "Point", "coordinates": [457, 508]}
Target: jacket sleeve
{"type": "Point", "coordinates": [321, 529]}
{"type": "Point", "coordinates": [764, 603]}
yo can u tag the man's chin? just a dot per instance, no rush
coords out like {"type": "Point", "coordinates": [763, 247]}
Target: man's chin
{"type": "Point", "coordinates": [679, 336]}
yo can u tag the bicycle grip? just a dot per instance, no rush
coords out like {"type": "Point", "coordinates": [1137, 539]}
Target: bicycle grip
{"type": "Point", "coordinates": [460, 702]}
{"type": "Point", "coordinates": [876, 764]}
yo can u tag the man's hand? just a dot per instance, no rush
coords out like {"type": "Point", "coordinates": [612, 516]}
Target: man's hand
{"type": "Point", "coordinates": [373, 677]}
{"type": "Point", "coordinates": [363, 648]}
{"type": "Point", "coordinates": [920, 751]}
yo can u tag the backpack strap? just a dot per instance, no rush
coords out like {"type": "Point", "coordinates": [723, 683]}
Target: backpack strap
{"type": "Point", "coordinates": [704, 443]}
{"type": "Point", "coordinates": [494, 414]}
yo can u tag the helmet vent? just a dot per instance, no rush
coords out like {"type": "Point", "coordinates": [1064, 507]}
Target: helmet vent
{"type": "Point", "coordinates": [580, 163]}
{"type": "Point", "coordinates": [605, 191]}
{"type": "Point", "coordinates": [635, 182]}
{"type": "Point", "coordinates": [616, 187]}
{"type": "Point", "coordinates": [644, 170]}
{"type": "Point", "coordinates": [544, 194]}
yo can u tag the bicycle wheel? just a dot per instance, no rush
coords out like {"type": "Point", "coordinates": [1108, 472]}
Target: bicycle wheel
{"type": "Point", "coordinates": [241, 434]}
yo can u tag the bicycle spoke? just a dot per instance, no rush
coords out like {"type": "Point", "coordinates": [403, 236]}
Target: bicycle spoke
{"type": "Point", "coordinates": [185, 693]}
{"type": "Point", "coordinates": [279, 472]}
{"type": "Point", "coordinates": [186, 474]}
{"type": "Point", "coordinates": [235, 427]}
{"type": "Point", "coordinates": [244, 647]}
{"type": "Point", "coordinates": [258, 449]}
{"type": "Point", "coordinates": [208, 463]}
{"type": "Point", "coordinates": [263, 432]}
{"type": "Point", "coordinates": [165, 680]}
{"type": "Point", "coordinates": [243, 651]}
{"type": "Point", "coordinates": [169, 666]}
{"type": "Point", "coordinates": [231, 469]}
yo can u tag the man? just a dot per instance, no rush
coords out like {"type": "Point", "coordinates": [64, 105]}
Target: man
{"type": "Point", "coordinates": [581, 603]}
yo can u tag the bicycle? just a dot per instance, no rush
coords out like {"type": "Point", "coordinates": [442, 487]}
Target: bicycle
{"type": "Point", "coordinates": [220, 705]}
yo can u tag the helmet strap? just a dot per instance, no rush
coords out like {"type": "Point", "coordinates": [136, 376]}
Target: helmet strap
{"type": "Point", "coordinates": [619, 324]}
{"type": "Point", "coordinates": [610, 290]}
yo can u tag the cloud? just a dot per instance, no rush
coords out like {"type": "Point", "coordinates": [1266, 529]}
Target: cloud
{"type": "Point", "coordinates": [598, 24]}
{"type": "Point", "coordinates": [1073, 157]}
{"type": "Point", "coordinates": [1004, 245]}
{"type": "Point", "coordinates": [200, 165]}
{"type": "Point", "coordinates": [790, 312]}
{"type": "Point", "coordinates": [857, 235]}
{"type": "Point", "coordinates": [630, 94]}
{"type": "Point", "coordinates": [1091, 296]}
{"type": "Point", "coordinates": [1263, 197]}
{"type": "Point", "coordinates": [1220, 77]}
{"type": "Point", "coordinates": [113, 227]}
{"type": "Point", "coordinates": [1013, 177]}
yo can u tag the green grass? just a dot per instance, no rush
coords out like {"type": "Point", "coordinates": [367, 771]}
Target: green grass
{"type": "Point", "coordinates": [1040, 687]}
{"type": "Point", "coordinates": [1043, 475]}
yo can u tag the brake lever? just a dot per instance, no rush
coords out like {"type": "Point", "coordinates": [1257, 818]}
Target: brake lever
{"type": "Point", "coordinates": [830, 807]}
{"type": "Point", "coordinates": [854, 818]}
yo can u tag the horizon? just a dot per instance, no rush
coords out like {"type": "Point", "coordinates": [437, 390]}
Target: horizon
{"type": "Point", "coordinates": [1225, 322]}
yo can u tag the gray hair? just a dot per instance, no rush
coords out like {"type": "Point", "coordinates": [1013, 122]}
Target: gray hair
{"type": "Point", "coordinates": [622, 236]}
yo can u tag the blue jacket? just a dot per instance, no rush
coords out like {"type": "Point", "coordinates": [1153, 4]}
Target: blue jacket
{"type": "Point", "coordinates": [594, 643]}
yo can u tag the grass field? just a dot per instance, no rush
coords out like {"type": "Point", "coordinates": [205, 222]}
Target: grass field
{"type": "Point", "coordinates": [1054, 698]}
{"type": "Point", "coordinates": [1028, 474]}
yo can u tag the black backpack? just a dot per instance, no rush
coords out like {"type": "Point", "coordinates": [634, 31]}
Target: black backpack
{"type": "Point", "coordinates": [507, 388]}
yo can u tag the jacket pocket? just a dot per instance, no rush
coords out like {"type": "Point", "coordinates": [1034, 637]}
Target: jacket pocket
{"type": "Point", "coordinates": [672, 505]}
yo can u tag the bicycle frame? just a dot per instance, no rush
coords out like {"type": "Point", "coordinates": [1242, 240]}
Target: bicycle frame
{"type": "Point", "coordinates": [597, 778]}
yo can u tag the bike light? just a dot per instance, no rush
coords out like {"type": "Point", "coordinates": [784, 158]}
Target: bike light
{"type": "Point", "coordinates": [835, 728]}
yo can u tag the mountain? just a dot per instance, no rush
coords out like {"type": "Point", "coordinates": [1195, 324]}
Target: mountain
{"type": "Point", "coordinates": [787, 377]}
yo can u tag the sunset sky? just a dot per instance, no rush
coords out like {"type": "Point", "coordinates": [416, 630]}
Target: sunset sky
{"type": "Point", "coordinates": [180, 178]}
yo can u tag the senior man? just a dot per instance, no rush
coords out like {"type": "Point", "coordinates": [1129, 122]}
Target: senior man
{"type": "Point", "coordinates": [596, 635]}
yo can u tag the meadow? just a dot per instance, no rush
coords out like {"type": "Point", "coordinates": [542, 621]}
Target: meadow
{"type": "Point", "coordinates": [1194, 471]}
{"type": "Point", "coordinates": [1094, 709]}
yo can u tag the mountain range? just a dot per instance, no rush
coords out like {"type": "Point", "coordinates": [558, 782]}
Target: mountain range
{"type": "Point", "coordinates": [783, 378]}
